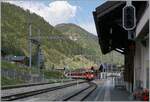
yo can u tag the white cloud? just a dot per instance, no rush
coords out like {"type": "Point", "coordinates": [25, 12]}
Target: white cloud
{"type": "Point", "coordinates": [62, 9]}
{"type": "Point", "coordinates": [56, 12]}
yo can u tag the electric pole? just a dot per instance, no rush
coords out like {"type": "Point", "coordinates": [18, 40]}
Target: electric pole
{"type": "Point", "coordinates": [39, 50]}
{"type": "Point", "coordinates": [30, 43]}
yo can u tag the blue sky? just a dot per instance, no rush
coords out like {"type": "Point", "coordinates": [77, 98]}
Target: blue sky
{"type": "Point", "coordinates": [68, 11]}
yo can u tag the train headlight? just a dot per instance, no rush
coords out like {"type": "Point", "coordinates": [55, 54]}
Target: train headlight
{"type": "Point", "coordinates": [92, 75]}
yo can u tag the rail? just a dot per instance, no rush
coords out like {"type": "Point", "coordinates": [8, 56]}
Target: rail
{"type": "Point", "coordinates": [82, 94]}
{"type": "Point", "coordinates": [28, 85]}
{"type": "Point", "coordinates": [36, 92]}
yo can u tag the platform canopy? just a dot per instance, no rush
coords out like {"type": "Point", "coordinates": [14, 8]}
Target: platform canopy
{"type": "Point", "coordinates": [108, 21]}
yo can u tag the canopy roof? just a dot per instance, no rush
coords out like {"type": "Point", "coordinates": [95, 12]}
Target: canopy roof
{"type": "Point", "coordinates": [108, 21]}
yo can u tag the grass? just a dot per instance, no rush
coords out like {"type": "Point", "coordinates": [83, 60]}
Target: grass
{"type": "Point", "coordinates": [52, 74]}
{"type": "Point", "coordinates": [10, 81]}
{"type": "Point", "coordinates": [48, 74]}
{"type": "Point", "coordinates": [17, 67]}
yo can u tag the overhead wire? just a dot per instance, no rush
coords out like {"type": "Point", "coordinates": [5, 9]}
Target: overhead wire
{"type": "Point", "coordinates": [78, 21]}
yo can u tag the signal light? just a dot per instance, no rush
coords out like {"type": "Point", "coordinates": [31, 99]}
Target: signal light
{"type": "Point", "coordinates": [129, 18]}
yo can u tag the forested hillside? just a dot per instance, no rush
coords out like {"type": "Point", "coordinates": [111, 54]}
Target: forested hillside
{"type": "Point", "coordinates": [77, 49]}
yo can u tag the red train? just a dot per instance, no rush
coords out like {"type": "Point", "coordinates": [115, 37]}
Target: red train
{"type": "Point", "coordinates": [88, 75]}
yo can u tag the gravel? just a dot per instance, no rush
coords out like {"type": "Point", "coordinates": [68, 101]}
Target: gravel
{"type": "Point", "coordinates": [31, 88]}
{"type": "Point", "coordinates": [57, 94]}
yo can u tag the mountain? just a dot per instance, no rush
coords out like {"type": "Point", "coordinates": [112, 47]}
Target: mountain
{"type": "Point", "coordinates": [14, 35]}
{"type": "Point", "coordinates": [72, 46]}
{"type": "Point", "coordinates": [90, 43]}
{"type": "Point", "coordinates": [85, 39]}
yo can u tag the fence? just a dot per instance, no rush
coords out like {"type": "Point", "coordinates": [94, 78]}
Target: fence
{"type": "Point", "coordinates": [24, 76]}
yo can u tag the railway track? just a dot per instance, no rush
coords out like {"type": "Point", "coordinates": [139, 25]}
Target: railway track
{"type": "Point", "coordinates": [23, 85]}
{"type": "Point", "coordinates": [27, 85]}
{"type": "Point", "coordinates": [36, 92]}
{"type": "Point", "coordinates": [82, 94]}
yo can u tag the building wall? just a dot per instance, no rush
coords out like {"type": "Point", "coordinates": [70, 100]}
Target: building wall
{"type": "Point", "coordinates": [141, 61]}
{"type": "Point", "coordinates": [145, 65]}
{"type": "Point", "coordinates": [141, 66]}
{"type": "Point", "coordinates": [137, 65]}
{"type": "Point", "coordinates": [141, 58]}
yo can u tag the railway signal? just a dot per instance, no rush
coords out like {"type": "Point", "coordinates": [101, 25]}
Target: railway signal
{"type": "Point", "coordinates": [129, 19]}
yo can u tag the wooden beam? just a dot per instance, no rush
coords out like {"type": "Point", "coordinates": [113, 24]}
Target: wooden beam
{"type": "Point", "coordinates": [108, 7]}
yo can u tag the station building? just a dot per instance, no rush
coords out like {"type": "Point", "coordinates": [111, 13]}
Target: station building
{"type": "Point", "coordinates": [108, 19]}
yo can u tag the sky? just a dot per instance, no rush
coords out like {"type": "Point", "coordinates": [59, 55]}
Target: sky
{"type": "Point", "coordinates": [68, 11]}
